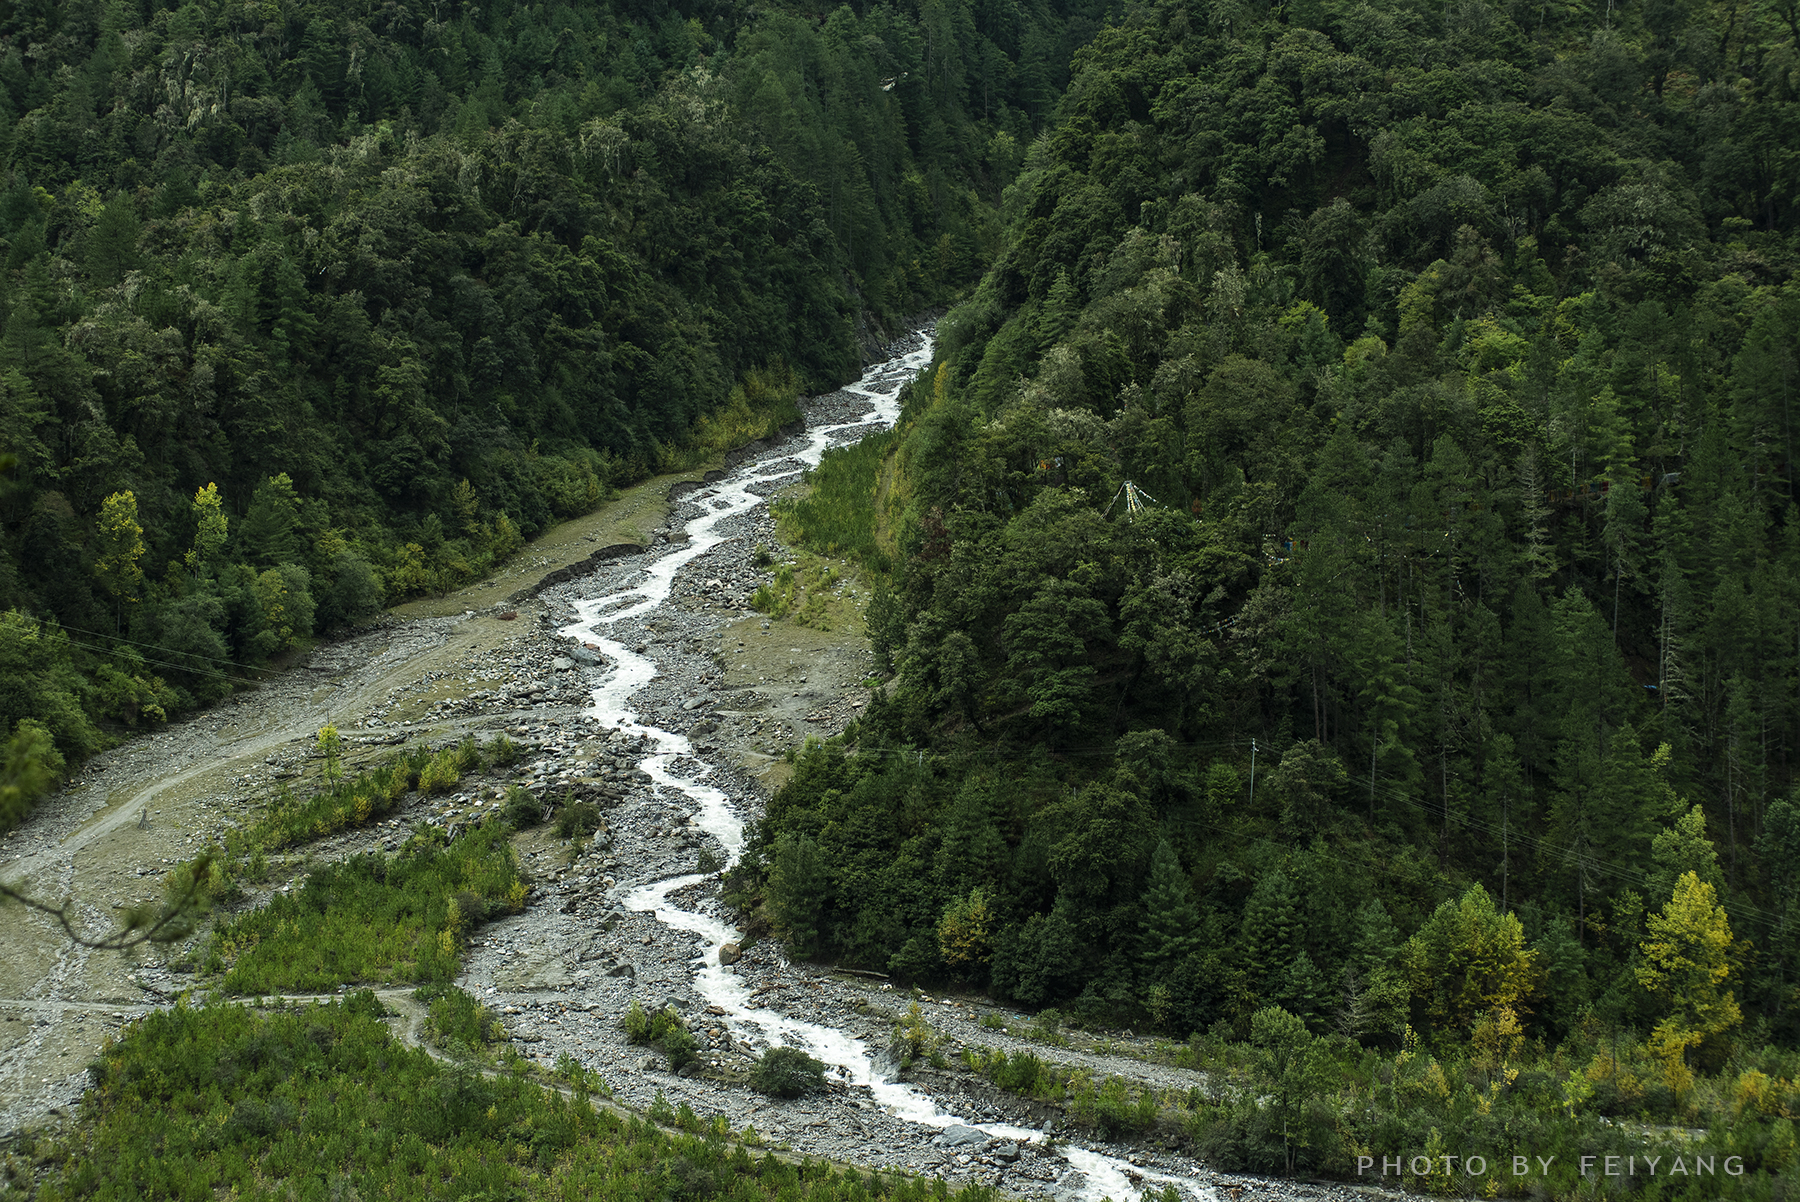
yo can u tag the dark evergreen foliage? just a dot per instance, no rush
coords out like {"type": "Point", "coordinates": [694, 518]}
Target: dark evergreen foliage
{"type": "Point", "coordinates": [409, 285]}
{"type": "Point", "coordinates": [1363, 475]}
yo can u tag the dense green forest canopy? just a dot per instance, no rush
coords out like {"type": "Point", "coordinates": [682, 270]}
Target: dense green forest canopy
{"type": "Point", "coordinates": [1451, 616]}
{"type": "Point", "coordinates": [308, 305]}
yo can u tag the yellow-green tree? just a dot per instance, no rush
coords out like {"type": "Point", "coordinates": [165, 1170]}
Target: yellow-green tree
{"type": "Point", "coordinates": [272, 593]}
{"type": "Point", "coordinates": [965, 933]}
{"type": "Point", "coordinates": [1467, 961]}
{"type": "Point", "coordinates": [331, 746]}
{"type": "Point", "coordinates": [412, 571]}
{"type": "Point", "coordinates": [506, 537]}
{"type": "Point", "coordinates": [119, 544]}
{"type": "Point", "coordinates": [210, 528]}
{"type": "Point", "coordinates": [1685, 966]}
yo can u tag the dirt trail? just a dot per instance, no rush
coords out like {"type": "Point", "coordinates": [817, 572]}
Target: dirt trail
{"type": "Point", "coordinates": [105, 840]}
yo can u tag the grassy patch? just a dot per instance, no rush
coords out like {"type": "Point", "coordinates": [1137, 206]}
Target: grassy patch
{"type": "Point", "coordinates": [224, 1102]}
{"type": "Point", "coordinates": [808, 591]}
{"type": "Point", "coordinates": [837, 515]}
{"type": "Point", "coordinates": [373, 919]}
{"type": "Point", "coordinates": [293, 820]}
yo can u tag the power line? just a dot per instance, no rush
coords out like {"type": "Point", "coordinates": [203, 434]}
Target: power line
{"type": "Point", "coordinates": [152, 646]}
{"type": "Point", "coordinates": [1541, 844]}
{"type": "Point", "coordinates": [192, 671]}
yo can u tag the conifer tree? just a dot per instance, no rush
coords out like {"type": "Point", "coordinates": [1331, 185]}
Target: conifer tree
{"type": "Point", "coordinates": [1287, 1068]}
{"type": "Point", "coordinates": [1224, 789]}
{"type": "Point", "coordinates": [973, 851]}
{"type": "Point", "coordinates": [798, 892]}
{"type": "Point", "coordinates": [1779, 847]}
{"type": "Point", "coordinates": [29, 766]}
{"type": "Point", "coordinates": [1271, 932]}
{"type": "Point", "coordinates": [1302, 991]}
{"type": "Point", "coordinates": [1377, 939]}
{"type": "Point", "coordinates": [1040, 961]}
{"type": "Point", "coordinates": [270, 531]}
{"type": "Point", "coordinates": [1466, 960]}
{"type": "Point", "coordinates": [1061, 307]}
{"type": "Point", "coordinates": [111, 244]}
{"type": "Point", "coordinates": [1171, 923]}
{"type": "Point", "coordinates": [1681, 849]}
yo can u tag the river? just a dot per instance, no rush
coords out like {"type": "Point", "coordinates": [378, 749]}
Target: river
{"type": "Point", "coordinates": [849, 1057]}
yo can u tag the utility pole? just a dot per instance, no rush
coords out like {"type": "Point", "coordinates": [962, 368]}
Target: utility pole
{"type": "Point", "coordinates": [1505, 846]}
{"type": "Point", "coordinates": [1253, 772]}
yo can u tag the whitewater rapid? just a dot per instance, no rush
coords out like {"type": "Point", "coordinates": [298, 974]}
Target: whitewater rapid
{"type": "Point", "coordinates": [849, 1057]}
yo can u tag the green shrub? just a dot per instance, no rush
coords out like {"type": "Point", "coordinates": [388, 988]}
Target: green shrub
{"type": "Point", "coordinates": [466, 756]}
{"type": "Point", "coordinates": [665, 1029]}
{"type": "Point", "coordinates": [1112, 1107]}
{"type": "Point", "coordinates": [504, 753]}
{"type": "Point", "coordinates": [660, 1111]}
{"type": "Point", "coordinates": [1021, 1073]}
{"type": "Point", "coordinates": [586, 1080]}
{"type": "Point", "coordinates": [260, 1120]}
{"type": "Point", "coordinates": [787, 1073]}
{"type": "Point", "coordinates": [838, 514]}
{"type": "Point", "coordinates": [581, 818]}
{"type": "Point", "coordinates": [522, 811]}
{"type": "Point", "coordinates": [678, 1044]}
{"type": "Point", "coordinates": [777, 599]}
{"type": "Point", "coordinates": [1047, 1028]}
{"type": "Point", "coordinates": [367, 1003]}
{"type": "Point", "coordinates": [636, 1023]}
{"type": "Point", "coordinates": [347, 803]}
{"type": "Point", "coordinates": [441, 774]}
{"type": "Point", "coordinates": [455, 1021]}
{"type": "Point", "coordinates": [914, 1036]}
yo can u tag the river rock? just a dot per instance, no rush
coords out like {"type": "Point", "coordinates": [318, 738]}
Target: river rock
{"type": "Point", "coordinates": [538, 968]}
{"type": "Point", "coordinates": [959, 1136]}
{"type": "Point", "coordinates": [1008, 1152]}
{"type": "Point", "coordinates": [562, 663]}
{"type": "Point", "coordinates": [730, 953]}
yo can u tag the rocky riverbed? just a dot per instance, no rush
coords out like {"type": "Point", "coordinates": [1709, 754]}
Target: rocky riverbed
{"type": "Point", "coordinates": [690, 692]}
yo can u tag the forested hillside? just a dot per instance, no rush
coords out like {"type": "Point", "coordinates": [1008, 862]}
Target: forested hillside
{"type": "Point", "coordinates": [1347, 558]}
{"type": "Point", "coordinates": [308, 306]}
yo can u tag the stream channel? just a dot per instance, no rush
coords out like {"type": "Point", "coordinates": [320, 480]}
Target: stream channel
{"type": "Point", "coordinates": [848, 1057]}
